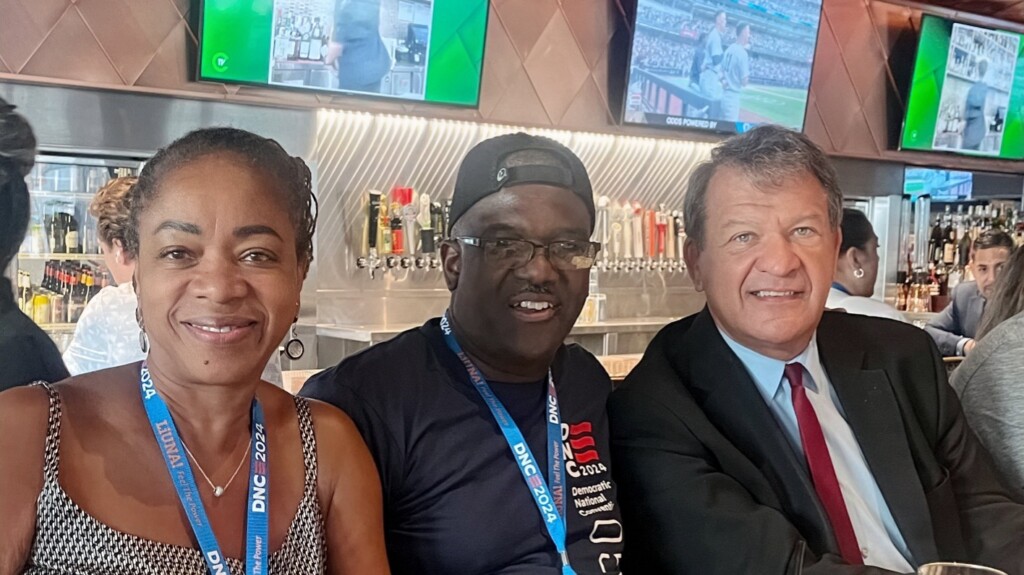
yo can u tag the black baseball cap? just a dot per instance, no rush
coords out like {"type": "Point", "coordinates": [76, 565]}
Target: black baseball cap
{"type": "Point", "coordinates": [485, 171]}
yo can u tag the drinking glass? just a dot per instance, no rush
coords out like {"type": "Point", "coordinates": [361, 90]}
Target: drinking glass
{"type": "Point", "coordinates": [956, 569]}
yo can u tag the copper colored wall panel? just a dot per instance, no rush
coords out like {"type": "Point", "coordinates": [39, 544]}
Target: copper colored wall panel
{"type": "Point", "coordinates": [861, 74]}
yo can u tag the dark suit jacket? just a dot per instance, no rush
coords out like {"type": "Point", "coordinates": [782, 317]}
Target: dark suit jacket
{"type": "Point", "coordinates": [709, 485]}
{"type": "Point", "coordinates": [959, 320]}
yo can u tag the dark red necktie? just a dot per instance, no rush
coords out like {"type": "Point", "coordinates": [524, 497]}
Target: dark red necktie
{"type": "Point", "coordinates": [822, 472]}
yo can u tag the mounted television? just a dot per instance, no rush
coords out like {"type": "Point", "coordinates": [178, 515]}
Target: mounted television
{"type": "Point", "coordinates": [967, 92]}
{"type": "Point", "coordinates": [424, 50]}
{"type": "Point", "coordinates": [941, 185]}
{"type": "Point", "coordinates": [721, 65]}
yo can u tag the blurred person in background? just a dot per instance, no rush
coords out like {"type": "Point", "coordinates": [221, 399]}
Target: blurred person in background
{"type": "Point", "coordinates": [735, 73]}
{"type": "Point", "coordinates": [857, 269]}
{"type": "Point", "coordinates": [955, 327]}
{"type": "Point", "coordinates": [27, 354]}
{"type": "Point", "coordinates": [990, 382]}
{"type": "Point", "coordinates": [107, 334]}
{"type": "Point", "coordinates": [356, 49]}
{"type": "Point", "coordinates": [975, 118]}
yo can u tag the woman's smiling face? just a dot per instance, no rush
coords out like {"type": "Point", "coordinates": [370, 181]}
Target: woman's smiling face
{"type": "Point", "coordinates": [218, 275]}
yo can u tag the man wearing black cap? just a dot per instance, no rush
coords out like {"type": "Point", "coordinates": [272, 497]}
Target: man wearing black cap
{"type": "Point", "coordinates": [488, 432]}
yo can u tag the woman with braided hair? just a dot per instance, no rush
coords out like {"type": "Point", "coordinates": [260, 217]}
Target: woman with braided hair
{"type": "Point", "coordinates": [26, 353]}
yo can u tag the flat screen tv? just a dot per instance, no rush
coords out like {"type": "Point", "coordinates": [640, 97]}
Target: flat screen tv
{"type": "Point", "coordinates": [941, 185]}
{"type": "Point", "coordinates": [967, 91]}
{"type": "Point", "coordinates": [721, 65]}
{"type": "Point", "coordinates": [424, 50]}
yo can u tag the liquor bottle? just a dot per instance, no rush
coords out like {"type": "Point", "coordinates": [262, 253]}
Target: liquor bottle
{"type": "Point", "coordinates": [902, 290]}
{"type": "Point", "coordinates": [57, 234]}
{"type": "Point", "coordinates": [964, 247]}
{"type": "Point", "coordinates": [935, 241]}
{"type": "Point", "coordinates": [942, 278]}
{"type": "Point", "coordinates": [281, 41]}
{"type": "Point", "coordinates": [296, 36]}
{"type": "Point", "coordinates": [949, 241]}
{"type": "Point", "coordinates": [316, 41]}
{"type": "Point", "coordinates": [304, 46]}
{"type": "Point", "coordinates": [69, 297]}
{"type": "Point", "coordinates": [25, 293]}
{"type": "Point", "coordinates": [79, 297]}
{"type": "Point", "coordinates": [71, 237]}
{"type": "Point", "coordinates": [325, 41]}
{"type": "Point", "coordinates": [58, 304]}
{"type": "Point", "coordinates": [93, 289]}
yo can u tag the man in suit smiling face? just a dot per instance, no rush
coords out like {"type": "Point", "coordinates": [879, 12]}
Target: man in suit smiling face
{"type": "Point", "coordinates": [765, 253]}
{"type": "Point", "coordinates": [765, 435]}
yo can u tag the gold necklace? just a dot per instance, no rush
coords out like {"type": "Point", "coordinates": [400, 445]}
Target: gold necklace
{"type": "Point", "coordinates": [217, 489]}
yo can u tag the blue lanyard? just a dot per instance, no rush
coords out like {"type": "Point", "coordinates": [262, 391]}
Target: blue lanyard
{"type": "Point", "coordinates": [256, 525]}
{"type": "Point", "coordinates": [550, 500]}
{"type": "Point", "coordinates": [839, 286]}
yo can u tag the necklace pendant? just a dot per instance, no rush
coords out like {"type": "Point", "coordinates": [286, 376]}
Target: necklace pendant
{"type": "Point", "coordinates": [218, 491]}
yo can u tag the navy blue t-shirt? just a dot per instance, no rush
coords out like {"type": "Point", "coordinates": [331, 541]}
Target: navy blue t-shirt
{"type": "Point", "coordinates": [454, 499]}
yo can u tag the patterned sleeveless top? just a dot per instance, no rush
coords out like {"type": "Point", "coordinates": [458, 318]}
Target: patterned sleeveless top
{"type": "Point", "coordinates": [70, 541]}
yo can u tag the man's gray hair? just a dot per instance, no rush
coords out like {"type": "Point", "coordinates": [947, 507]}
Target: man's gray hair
{"type": "Point", "coordinates": [768, 155]}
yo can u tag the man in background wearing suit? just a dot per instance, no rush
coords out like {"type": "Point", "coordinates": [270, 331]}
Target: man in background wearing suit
{"type": "Point", "coordinates": [765, 435]}
{"type": "Point", "coordinates": [953, 330]}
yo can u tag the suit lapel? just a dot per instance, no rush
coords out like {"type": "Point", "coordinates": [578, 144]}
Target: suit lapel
{"type": "Point", "coordinates": [977, 308]}
{"type": "Point", "coordinates": [874, 416]}
{"type": "Point", "coordinates": [729, 398]}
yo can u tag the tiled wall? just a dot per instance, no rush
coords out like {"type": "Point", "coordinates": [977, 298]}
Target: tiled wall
{"type": "Point", "coordinates": [548, 63]}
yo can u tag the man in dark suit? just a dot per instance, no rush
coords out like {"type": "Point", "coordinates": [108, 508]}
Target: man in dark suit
{"type": "Point", "coordinates": [765, 436]}
{"type": "Point", "coordinates": [954, 329]}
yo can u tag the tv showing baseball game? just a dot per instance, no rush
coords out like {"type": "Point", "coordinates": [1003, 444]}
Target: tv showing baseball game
{"type": "Point", "coordinates": [967, 91]}
{"type": "Point", "coordinates": [426, 50]}
{"type": "Point", "coordinates": [721, 65]}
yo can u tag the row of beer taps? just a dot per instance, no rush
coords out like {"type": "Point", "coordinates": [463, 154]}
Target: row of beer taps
{"type": "Point", "coordinates": [404, 231]}
{"type": "Point", "coordinates": [635, 238]}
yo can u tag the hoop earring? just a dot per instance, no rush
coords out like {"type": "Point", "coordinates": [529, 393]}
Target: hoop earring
{"type": "Point", "coordinates": [143, 338]}
{"type": "Point", "coordinates": [858, 273]}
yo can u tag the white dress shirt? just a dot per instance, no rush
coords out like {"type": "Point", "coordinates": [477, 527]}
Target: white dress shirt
{"type": "Point", "coordinates": [882, 545]}
{"type": "Point", "coordinates": [861, 305]}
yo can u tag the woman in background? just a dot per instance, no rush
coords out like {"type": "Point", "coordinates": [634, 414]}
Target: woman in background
{"type": "Point", "coordinates": [857, 269]}
{"type": "Point", "coordinates": [27, 354]}
{"type": "Point", "coordinates": [990, 382]}
{"type": "Point", "coordinates": [107, 334]}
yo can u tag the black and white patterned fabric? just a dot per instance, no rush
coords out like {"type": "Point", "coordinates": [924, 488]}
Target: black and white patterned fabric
{"type": "Point", "coordinates": [70, 541]}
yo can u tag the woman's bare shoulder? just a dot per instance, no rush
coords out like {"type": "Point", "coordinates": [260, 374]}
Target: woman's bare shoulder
{"type": "Point", "coordinates": [332, 422]}
{"type": "Point", "coordinates": [24, 410]}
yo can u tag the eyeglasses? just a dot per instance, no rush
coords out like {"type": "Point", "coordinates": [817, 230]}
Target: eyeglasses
{"type": "Point", "coordinates": [564, 255]}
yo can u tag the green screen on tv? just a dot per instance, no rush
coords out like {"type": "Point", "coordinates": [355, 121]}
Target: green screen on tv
{"type": "Point", "coordinates": [424, 50]}
{"type": "Point", "coordinates": [967, 93]}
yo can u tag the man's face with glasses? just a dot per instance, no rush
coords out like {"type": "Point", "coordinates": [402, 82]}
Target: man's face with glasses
{"type": "Point", "coordinates": [518, 267]}
{"type": "Point", "coordinates": [513, 253]}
